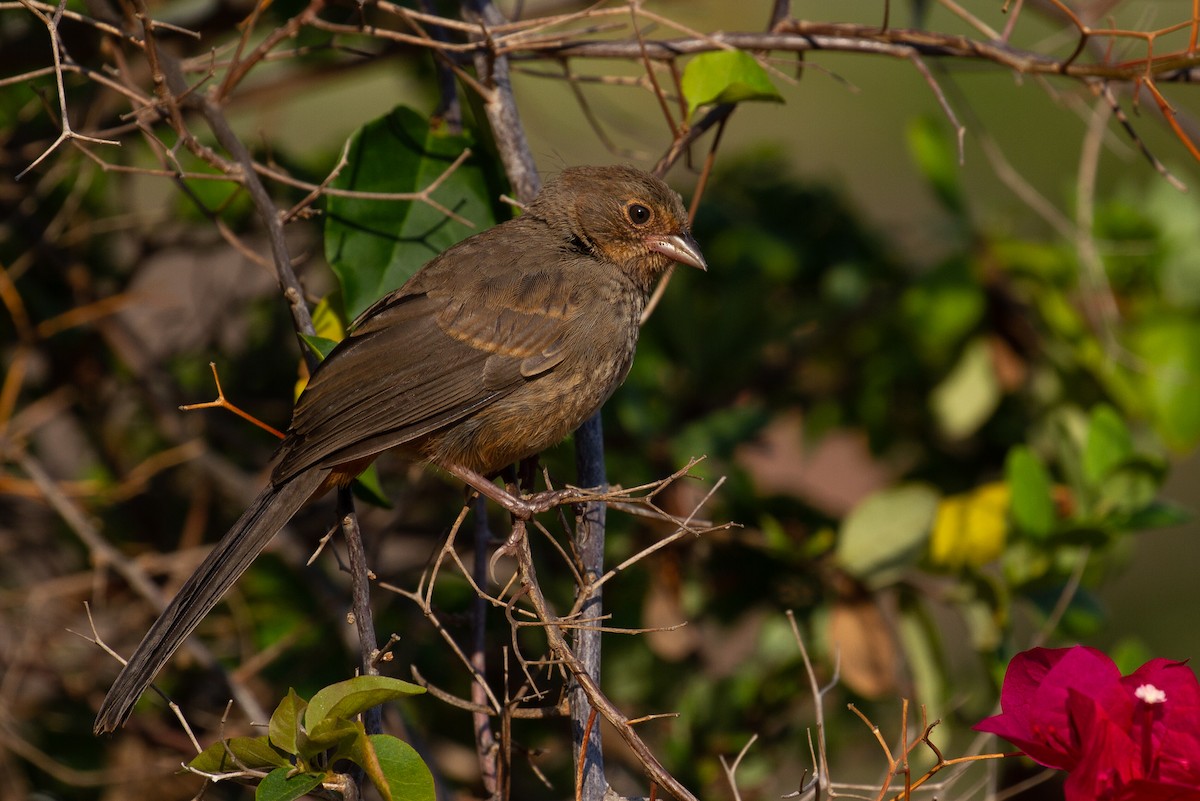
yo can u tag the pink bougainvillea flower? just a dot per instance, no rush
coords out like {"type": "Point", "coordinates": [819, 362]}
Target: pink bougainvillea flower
{"type": "Point", "coordinates": [1132, 738]}
{"type": "Point", "coordinates": [1034, 698]}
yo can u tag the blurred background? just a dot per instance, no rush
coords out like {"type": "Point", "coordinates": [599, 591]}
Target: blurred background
{"type": "Point", "coordinates": [952, 404]}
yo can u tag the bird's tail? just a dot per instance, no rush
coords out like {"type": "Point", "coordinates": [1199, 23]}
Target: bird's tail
{"type": "Point", "coordinates": [227, 561]}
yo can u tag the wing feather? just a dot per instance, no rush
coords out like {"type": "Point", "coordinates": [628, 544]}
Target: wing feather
{"type": "Point", "coordinates": [446, 345]}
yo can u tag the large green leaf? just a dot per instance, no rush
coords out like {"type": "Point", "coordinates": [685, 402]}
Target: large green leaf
{"type": "Point", "coordinates": [726, 76]}
{"type": "Point", "coordinates": [352, 696]}
{"type": "Point", "coordinates": [239, 753]}
{"type": "Point", "coordinates": [373, 246]}
{"type": "Point", "coordinates": [401, 770]}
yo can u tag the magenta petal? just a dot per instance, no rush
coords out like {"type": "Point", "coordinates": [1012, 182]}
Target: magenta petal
{"type": "Point", "coordinates": [1142, 790]}
{"type": "Point", "coordinates": [1034, 697]}
{"type": "Point", "coordinates": [1108, 761]}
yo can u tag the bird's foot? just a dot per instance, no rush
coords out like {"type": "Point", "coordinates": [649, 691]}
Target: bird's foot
{"type": "Point", "coordinates": [522, 507]}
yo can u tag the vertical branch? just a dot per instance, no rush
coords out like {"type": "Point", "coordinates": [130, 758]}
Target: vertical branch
{"type": "Point", "coordinates": [485, 738]}
{"type": "Point", "coordinates": [360, 583]}
{"type": "Point", "coordinates": [589, 546]}
{"type": "Point", "coordinates": [449, 108]}
{"type": "Point", "coordinates": [500, 106]}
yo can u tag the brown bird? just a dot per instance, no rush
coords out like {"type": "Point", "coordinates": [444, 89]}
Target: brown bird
{"type": "Point", "coordinates": [495, 350]}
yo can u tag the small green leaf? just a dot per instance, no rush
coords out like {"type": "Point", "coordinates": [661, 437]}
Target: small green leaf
{"type": "Point", "coordinates": [969, 394]}
{"type": "Point", "coordinates": [1108, 444]}
{"type": "Point", "coordinates": [332, 732]}
{"type": "Point", "coordinates": [368, 487]}
{"type": "Point", "coordinates": [726, 76]}
{"type": "Point", "coordinates": [239, 753]}
{"type": "Point", "coordinates": [401, 769]}
{"type": "Point", "coordinates": [353, 696]}
{"type": "Point", "coordinates": [279, 786]}
{"type": "Point", "coordinates": [886, 532]}
{"type": "Point", "coordinates": [1158, 514]}
{"type": "Point", "coordinates": [1032, 502]}
{"type": "Point", "coordinates": [1128, 488]}
{"type": "Point", "coordinates": [319, 345]}
{"type": "Point", "coordinates": [284, 729]}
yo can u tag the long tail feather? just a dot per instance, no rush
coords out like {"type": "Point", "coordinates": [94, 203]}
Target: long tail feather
{"type": "Point", "coordinates": [227, 561]}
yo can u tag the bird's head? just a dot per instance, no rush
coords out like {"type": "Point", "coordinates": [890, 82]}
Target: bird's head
{"type": "Point", "coordinates": [622, 215]}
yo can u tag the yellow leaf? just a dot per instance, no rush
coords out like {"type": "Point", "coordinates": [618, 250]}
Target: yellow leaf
{"type": "Point", "coordinates": [969, 529]}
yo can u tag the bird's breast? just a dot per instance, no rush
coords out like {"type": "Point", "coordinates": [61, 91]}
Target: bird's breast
{"type": "Point", "coordinates": [541, 411]}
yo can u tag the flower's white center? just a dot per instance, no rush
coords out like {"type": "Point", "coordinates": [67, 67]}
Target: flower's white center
{"type": "Point", "coordinates": [1151, 694]}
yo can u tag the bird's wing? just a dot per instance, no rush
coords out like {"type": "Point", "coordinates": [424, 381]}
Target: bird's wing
{"type": "Point", "coordinates": [426, 356]}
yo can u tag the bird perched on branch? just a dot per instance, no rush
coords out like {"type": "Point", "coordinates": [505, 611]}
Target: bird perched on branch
{"type": "Point", "coordinates": [495, 350]}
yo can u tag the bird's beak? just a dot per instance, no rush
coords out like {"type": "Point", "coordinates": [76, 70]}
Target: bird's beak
{"type": "Point", "coordinates": [679, 247]}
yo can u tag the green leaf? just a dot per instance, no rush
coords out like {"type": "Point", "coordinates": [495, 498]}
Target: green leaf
{"type": "Point", "coordinates": [920, 637]}
{"type": "Point", "coordinates": [1158, 514]}
{"type": "Point", "coordinates": [239, 753]}
{"type": "Point", "coordinates": [353, 696]}
{"type": "Point", "coordinates": [726, 76]}
{"type": "Point", "coordinates": [1169, 347]}
{"type": "Point", "coordinates": [319, 345]}
{"type": "Point", "coordinates": [401, 770]}
{"type": "Point", "coordinates": [937, 158]}
{"type": "Point", "coordinates": [967, 397]}
{"type": "Point", "coordinates": [1175, 214]}
{"type": "Point", "coordinates": [1108, 444]}
{"type": "Point", "coordinates": [1032, 501]}
{"type": "Point", "coordinates": [373, 246]}
{"type": "Point", "coordinates": [284, 729]}
{"type": "Point", "coordinates": [368, 487]}
{"type": "Point", "coordinates": [332, 732]}
{"type": "Point", "coordinates": [1130, 487]}
{"type": "Point", "coordinates": [942, 308]}
{"type": "Point", "coordinates": [279, 786]}
{"type": "Point", "coordinates": [886, 532]}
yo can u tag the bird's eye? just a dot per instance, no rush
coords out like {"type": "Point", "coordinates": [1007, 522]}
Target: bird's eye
{"type": "Point", "coordinates": [638, 214]}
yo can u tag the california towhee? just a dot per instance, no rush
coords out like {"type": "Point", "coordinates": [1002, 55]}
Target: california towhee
{"type": "Point", "coordinates": [498, 348]}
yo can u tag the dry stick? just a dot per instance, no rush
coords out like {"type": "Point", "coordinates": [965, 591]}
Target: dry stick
{"type": "Point", "coordinates": [51, 22]}
{"type": "Point", "coordinates": [241, 67]}
{"type": "Point", "coordinates": [499, 104]}
{"type": "Point", "coordinates": [821, 763]}
{"type": "Point", "coordinates": [551, 625]}
{"type": "Point", "coordinates": [730, 771]}
{"type": "Point", "coordinates": [486, 751]}
{"type": "Point", "coordinates": [1100, 305]}
{"type": "Point", "coordinates": [721, 116]}
{"type": "Point", "coordinates": [801, 36]}
{"type": "Point", "coordinates": [361, 595]}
